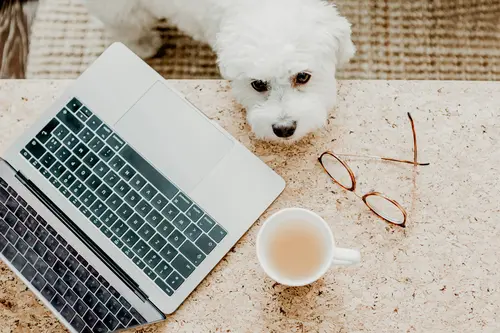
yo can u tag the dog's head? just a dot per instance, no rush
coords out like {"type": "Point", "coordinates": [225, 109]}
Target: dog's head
{"type": "Point", "coordinates": [281, 57]}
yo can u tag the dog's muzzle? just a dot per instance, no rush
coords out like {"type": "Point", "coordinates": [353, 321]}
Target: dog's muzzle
{"type": "Point", "coordinates": [285, 131]}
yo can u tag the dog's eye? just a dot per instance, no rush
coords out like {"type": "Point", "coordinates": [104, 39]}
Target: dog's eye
{"type": "Point", "coordinates": [259, 85]}
{"type": "Point", "coordinates": [302, 78]}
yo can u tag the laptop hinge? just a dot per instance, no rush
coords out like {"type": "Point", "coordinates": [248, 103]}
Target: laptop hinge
{"type": "Point", "coordinates": [83, 237]}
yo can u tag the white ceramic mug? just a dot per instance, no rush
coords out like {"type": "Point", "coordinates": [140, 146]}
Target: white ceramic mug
{"type": "Point", "coordinates": [333, 256]}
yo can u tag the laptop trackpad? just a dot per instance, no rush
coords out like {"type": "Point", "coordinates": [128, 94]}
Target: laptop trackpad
{"type": "Point", "coordinates": [166, 130]}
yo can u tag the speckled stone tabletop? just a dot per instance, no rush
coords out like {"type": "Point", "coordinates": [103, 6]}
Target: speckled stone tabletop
{"type": "Point", "coordinates": [440, 274]}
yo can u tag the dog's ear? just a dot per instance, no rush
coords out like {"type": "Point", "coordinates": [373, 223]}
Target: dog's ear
{"type": "Point", "coordinates": [339, 29]}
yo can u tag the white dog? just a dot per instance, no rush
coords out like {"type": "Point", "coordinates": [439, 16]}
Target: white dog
{"type": "Point", "coordinates": [279, 55]}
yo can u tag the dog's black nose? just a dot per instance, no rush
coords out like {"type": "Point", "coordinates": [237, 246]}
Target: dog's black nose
{"type": "Point", "coordinates": [285, 131]}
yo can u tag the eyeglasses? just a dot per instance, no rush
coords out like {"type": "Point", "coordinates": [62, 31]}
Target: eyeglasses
{"type": "Point", "coordinates": [384, 207]}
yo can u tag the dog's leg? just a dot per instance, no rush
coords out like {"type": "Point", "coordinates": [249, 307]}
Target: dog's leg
{"type": "Point", "coordinates": [130, 22]}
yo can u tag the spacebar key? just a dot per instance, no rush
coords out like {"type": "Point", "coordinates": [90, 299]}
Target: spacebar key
{"type": "Point", "coordinates": [148, 172]}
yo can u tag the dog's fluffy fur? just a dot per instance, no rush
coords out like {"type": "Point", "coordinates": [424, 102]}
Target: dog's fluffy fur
{"type": "Point", "coordinates": [267, 40]}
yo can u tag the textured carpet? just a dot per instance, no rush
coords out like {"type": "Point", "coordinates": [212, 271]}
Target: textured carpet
{"type": "Point", "coordinates": [396, 39]}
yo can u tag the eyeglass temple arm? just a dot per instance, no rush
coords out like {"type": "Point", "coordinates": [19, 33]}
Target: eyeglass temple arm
{"type": "Point", "coordinates": [415, 156]}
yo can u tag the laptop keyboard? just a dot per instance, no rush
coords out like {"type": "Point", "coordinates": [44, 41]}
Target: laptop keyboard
{"type": "Point", "coordinates": [157, 226]}
{"type": "Point", "coordinates": [63, 277]}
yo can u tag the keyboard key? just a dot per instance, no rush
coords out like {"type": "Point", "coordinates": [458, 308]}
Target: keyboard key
{"type": "Point", "coordinates": [70, 279]}
{"type": "Point", "coordinates": [36, 149]}
{"type": "Point", "coordinates": [39, 248]}
{"type": "Point", "coordinates": [110, 321]}
{"type": "Point", "coordinates": [106, 153]}
{"type": "Point", "coordinates": [72, 163]}
{"type": "Point", "coordinates": [60, 286]}
{"type": "Point", "coordinates": [86, 111]}
{"type": "Point", "coordinates": [114, 202]}
{"type": "Point", "coordinates": [148, 192]}
{"type": "Point", "coordinates": [127, 172]}
{"type": "Point", "coordinates": [170, 212]}
{"type": "Point", "coordinates": [38, 282]}
{"type": "Point", "coordinates": [11, 219]}
{"type": "Point", "coordinates": [92, 284]}
{"type": "Point", "coordinates": [124, 302]}
{"type": "Point", "coordinates": [65, 192]}
{"type": "Point", "coordinates": [119, 228]}
{"type": "Point", "coordinates": [82, 261]}
{"type": "Point", "coordinates": [75, 202]}
{"type": "Point", "coordinates": [79, 325]}
{"type": "Point", "coordinates": [100, 328]}
{"type": "Point", "coordinates": [164, 287]}
{"type": "Point", "coordinates": [132, 198]}
{"type": "Point", "coordinates": [102, 294]}
{"type": "Point", "coordinates": [71, 122]}
{"type": "Point", "coordinates": [192, 232]}
{"type": "Point", "coordinates": [94, 123]}
{"type": "Point", "coordinates": [103, 192]}
{"type": "Point", "coordinates": [82, 273]}
{"type": "Point", "coordinates": [51, 243]}
{"type": "Point", "coordinates": [138, 182]}
{"type": "Point", "coordinates": [4, 227]}
{"type": "Point", "coordinates": [61, 132]}
{"type": "Point", "coordinates": [3, 210]}
{"type": "Point", "coordinates": [47, 291]}
{"type": "Point", "coordinates": [101, 169]}
{"type": "Point", "coordinates": [31, 256]}
{"type": "Point", "coordinates": [163, 269]}
{"type": "Point", "coordinates": [79, 289]}
{"type": "Point", "coordinates": [117, 163]}
{"type": "Point", "coordinates": [181, 222]}
{"type": "Point", "coordinates": [80, 150]}
{"type": "Point", "coordinates": [70, 141]}
{"type": "Point", "coordinates": [106, 232]}
{"type": "Point", "coordinates": [19, 262]}
{"type": "Point", "coordinates": [28, 272]}
{"type": "Point", "coordinates": [51, 276]}
{"type": "Point", "coordinates": [194, 213]}
{"type": "Point", "coordinates": [143, 208]}
{"type": "Point", "coordinates": [113, 305]}
{"type": "Point", "coordinates": [109, 218]}
{"type": "Point", "coordinates": [88, 198]}
{"type": "Point", "coordinates": [45, 173]}
{"type": "Point", "coordinates": [90, 318]}
{"type": "Point", "coordinates": [114, 292]}
{"type": "Point", "coordinates": [122, 188]}
{"type": "Point", "coordinates": [61, 253]}
{"type": "Point", "coordinates": [12, 204]}
{"type": "Point", "coordinates": [4, 195]}
{"type": "Point", "coordinates": [165, 228]}
{"type": "Point", "coordinates": [192, 253]}
{"type": "Point", "coordinates": [150, 273]}
{"type": "Point", "coordinates": [124, 212]}
{"type": "Point", "coordinates": [168, 253]}
{"type": "Point", "coordinates": [130, 238]}
{"type": "Point", "coordinates": [103, 132]}
{"type": "Point", "coordinates": [141, 248]}
{"type": "Point", "coordinates": [49, 258]}
{"type": "Point", "coordinates": [115, 142]}
{"type": "Point", "coordinates": [86, 135]}
{"type": "Point", "coordinates": [157, 242]}
{"type": "Point", "coordinates": [58, 302]}
{"type": "Point", "coordinates": [63, 154]}
{"type": "Point", "coordinates": [182, 202]}
{"type": "Point", "coordinates": [135, 222]}
{"type": "Point", "coordinates": [74, 104]}
{"type": "Point", "coordinates": [79, 306]}
{"type": "Point", "coordinates": [53, 145]}
{"type": "Point", "coordinates": [71, 250]}
{"type": "Point", "coordinates": [124, 316]}
{"type": "Point", "coordinates": [25, 154]}
{"type": "Point", "coordinates": [77, 189]}
{"type": "Point", "coordinates": [90, 160]}
{"type": "Point", "coordinates": [100, 310]}
{"type": "Point", "coordinates": [96, 144]}
{"type": "Point", "coordinates": [81, 116]}
{"type": "Point", "coordinates": [12, 236]}
{"type": "Point", "coordinates": [152, 259]}
{"type": "Point", "coordinates": [21, 214]}
{"type": "Point", "coordinates": [128, 252]}
{"type": "Point", "coordinates": [206, 244]}
{"type": "Point", "coordinates": [148, 172]}
{"type": "Point", "coordinates": [217, 233]}
{"type": "Point", "coordinates": [175, 280]}
{"type": "Point", "coordinates": [111, 179]}
{"type": "Point", "coordinates": [159, 202]}
{"type": "Point", "coordinates": [68, 313]}
{"type": "Point", "coordinates": [60, 269]}
{"type": "Point", "coordinates": [118, 243]}
{"type": "Point", "coordinates": [22, 201]}
{"type": "Point", "coordinates": [93, 182]}
{"type": "Point", "coordinates": [71, 263]}
{"type": "Point", "coordinates": [35, 163]}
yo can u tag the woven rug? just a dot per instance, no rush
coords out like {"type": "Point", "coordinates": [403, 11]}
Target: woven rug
{"type": "Point", "coordinates": [396, 39]}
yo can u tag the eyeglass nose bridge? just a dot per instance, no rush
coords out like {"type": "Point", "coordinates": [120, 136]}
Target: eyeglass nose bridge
{"type": "Point", "coordinates": [352, 188]}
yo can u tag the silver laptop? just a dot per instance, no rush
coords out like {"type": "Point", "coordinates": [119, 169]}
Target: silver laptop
{"type": "Point", "coordinates": [123, 196]}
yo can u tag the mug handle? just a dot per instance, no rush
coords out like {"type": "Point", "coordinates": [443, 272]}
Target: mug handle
{"type": "Point", "coordinates": [345, 257]}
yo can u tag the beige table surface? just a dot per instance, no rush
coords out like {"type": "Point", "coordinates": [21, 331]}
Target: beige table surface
{"type": "Point", "coordinates": [440, 274]}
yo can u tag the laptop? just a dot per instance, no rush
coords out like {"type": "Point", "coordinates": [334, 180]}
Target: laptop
{"type": "Point", "coordinates": [123, 196]}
